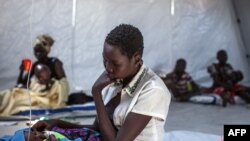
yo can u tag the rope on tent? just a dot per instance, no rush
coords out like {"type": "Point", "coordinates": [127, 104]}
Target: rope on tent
{"type": "Point", "coordinates": [28, 92]}
{"type": "Point", "coordinates": [73, 42]}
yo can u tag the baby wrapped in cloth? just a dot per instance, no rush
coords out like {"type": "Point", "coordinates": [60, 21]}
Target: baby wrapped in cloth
{"type": "Point", "coordinates": [45, 92]}
{"type": "Point", "coordinates": [56, 134]}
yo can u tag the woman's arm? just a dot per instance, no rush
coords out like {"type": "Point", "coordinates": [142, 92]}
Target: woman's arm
{"type": "Point", "coordinates": [58, 66]}
{"type": "Point", "coordinates": [132, 127]}
{"type": "Point", "coordinates": [108, 132]}
{"type": "Point", "coordinates": [20, 76]}
{"type": "Point", "coordinates": [23, 78]}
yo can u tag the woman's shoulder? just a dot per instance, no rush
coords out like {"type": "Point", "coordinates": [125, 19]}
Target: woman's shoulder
{"type": "Point", "coordinates": [55, 60]}
{"type": "Point", "coordinates": [229, 66]}
{"type": "Point", "coordinates": [154, 82]}
{"type": "Point", "coordinates": [35, 63]}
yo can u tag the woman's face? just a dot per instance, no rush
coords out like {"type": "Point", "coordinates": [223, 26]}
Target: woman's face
{"type": "Point", "coordinates": [117, 64]}
{"type": "Point", "coordinates": [40, 53]}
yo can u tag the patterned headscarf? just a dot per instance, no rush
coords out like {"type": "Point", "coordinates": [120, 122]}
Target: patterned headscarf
{"type": "Point", "coordinates": [45, 41]}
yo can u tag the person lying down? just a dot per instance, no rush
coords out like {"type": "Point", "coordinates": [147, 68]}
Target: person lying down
{"type": "Point", "coordinates": [56, 134]}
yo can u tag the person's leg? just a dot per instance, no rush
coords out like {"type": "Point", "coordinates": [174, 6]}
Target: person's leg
{"type": "Point", "coordinates": [225, 96]}
{"type": "Point", "coordinates": [244, 95]}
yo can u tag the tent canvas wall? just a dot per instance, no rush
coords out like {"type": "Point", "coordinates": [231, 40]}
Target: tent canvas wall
{"type": "Point", "coordinates": [242, 10]}
{"type": "Point", "coordinates": [195, 30]}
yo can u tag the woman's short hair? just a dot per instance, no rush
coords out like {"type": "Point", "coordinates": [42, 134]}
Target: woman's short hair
{"type": "Point", "coordinates": [126, 37]}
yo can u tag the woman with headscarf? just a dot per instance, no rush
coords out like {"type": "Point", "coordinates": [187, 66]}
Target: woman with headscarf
{"type": "Point", "coordinates": [54, 96]}
{"type": "Point", "coordinates": [42, 46]}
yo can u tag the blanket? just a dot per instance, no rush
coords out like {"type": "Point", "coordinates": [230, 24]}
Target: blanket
{"type": "Point", "coordinates": [213, 98]}
{"type": "Point", "coordinates": [17, 99]}
{"type": "Point", "coordinates": [59, 134]}
{"type": "Point", "coordinates": [79, 110]}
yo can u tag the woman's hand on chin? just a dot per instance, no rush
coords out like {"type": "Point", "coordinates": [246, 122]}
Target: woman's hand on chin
{"type": "Point", "coordinates": [103, 80]}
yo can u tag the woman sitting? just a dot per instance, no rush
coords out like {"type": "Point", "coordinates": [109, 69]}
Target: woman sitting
{"type": "Point", "coordinates": [131, 101]}
{"type": "Point", "coordinates": [42, 47]}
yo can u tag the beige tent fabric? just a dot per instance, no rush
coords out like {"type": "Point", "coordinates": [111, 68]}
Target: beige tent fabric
{"type": "Point", "coordinates": [17, 99]}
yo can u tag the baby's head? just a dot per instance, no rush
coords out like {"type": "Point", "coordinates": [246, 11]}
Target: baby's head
{"type": "Point", "coordinates": [34, 136]}
{"type": "Point", "coordinates": [38, 136]}
{"type": "Point", "coordinates": [28, 134]}
{"type": "Point", "coordinates": [43, 73]}
{"type": "Point", "coordinates": [237, 76]}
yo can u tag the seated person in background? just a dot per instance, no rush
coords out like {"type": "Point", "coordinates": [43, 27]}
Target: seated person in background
{"type": "Point", "coordinates": [42, 47]}
{"type": "Point", "coordinates": [221, 71]}
{"type": "Point", "coordinates": [180, 82]}
{"type": "Point", "coordinates": [225, 79]}
{"type": "Point", "coordinates": [45, 92]}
